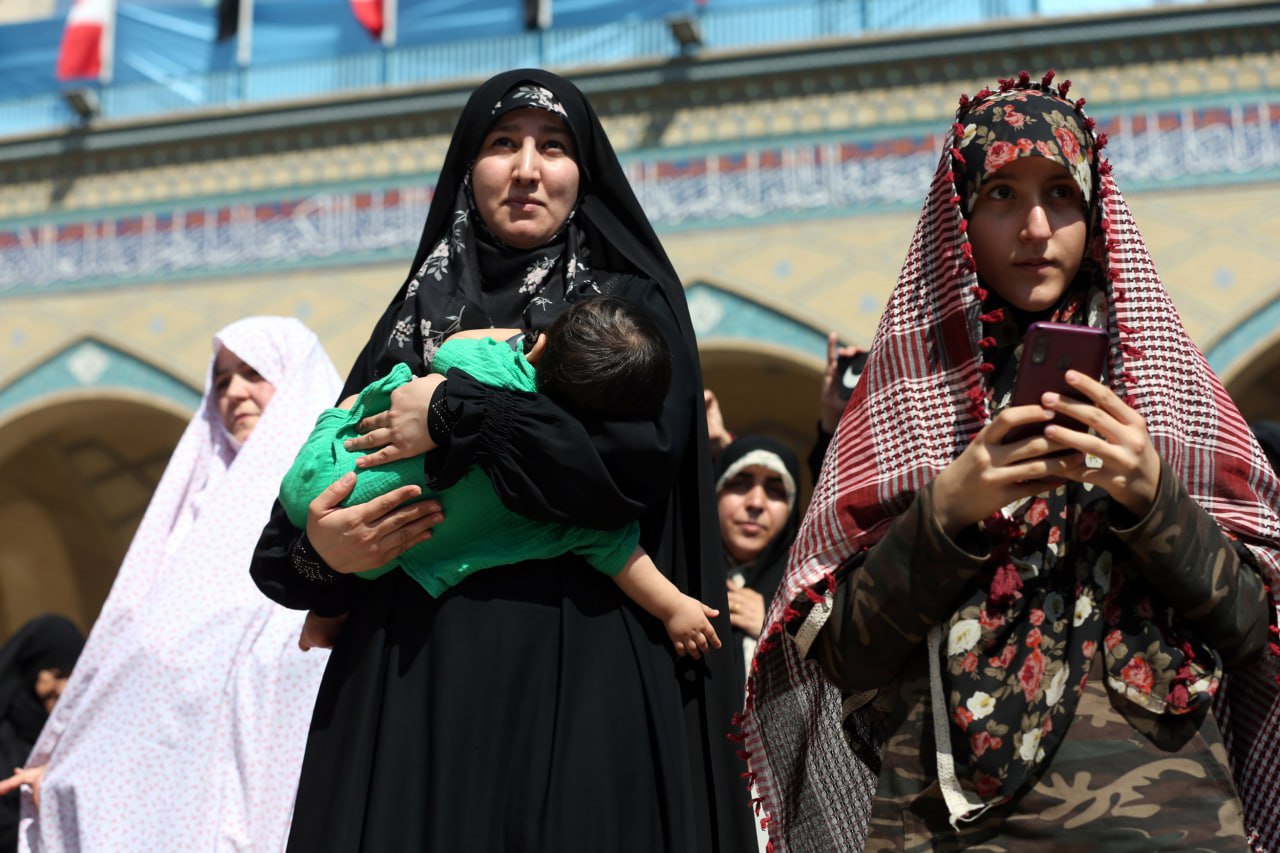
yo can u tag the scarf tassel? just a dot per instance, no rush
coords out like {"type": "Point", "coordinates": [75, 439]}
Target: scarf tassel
{"type": "Point", "coordinates": [996, 316]}
{"type": "Point", "coordinates": [1063, 88]}
{"type": "Point", "coordinates": [1047, 78]}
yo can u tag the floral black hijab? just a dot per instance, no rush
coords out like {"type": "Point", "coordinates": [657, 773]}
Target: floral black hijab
{"type": "Point", "coordinates": [461, 277]}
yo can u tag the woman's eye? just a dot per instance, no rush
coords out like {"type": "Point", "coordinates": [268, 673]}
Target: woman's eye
{"type": "Point", "coordinates": [1063, 191]}
{"type": "Point", "coordinates": [1001, 192]}
{"type": "Point", "coordinates": [502, 142]}
{"type": "Point", "coordinates": [776, 492]}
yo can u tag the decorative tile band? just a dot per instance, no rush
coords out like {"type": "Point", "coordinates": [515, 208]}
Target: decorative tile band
{"type": "Point", "coordinates": [1157, 149]}
{"type": "Point", "coordinates": [89, 364]}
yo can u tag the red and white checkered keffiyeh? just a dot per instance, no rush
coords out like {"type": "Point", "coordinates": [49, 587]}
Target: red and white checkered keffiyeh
{"type": "Point", "coordinates": [913, 412]}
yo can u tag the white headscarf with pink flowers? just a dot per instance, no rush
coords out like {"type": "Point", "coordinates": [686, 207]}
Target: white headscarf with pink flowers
{"type": "Point", "coordinates": [184, 722]}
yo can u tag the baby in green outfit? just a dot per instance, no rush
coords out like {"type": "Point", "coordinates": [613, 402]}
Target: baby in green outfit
{"type": "Point", "coordinates": [482, 532]}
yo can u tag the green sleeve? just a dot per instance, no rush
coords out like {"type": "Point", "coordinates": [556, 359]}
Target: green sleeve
{"type": "Point", "coordinates": [489, 362]}
{"type": "Point", "coordinates": [607, 550]}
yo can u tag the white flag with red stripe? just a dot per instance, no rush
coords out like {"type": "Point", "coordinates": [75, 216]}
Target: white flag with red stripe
{"type": "Point", "coordinates": [370, 15]}
{"type": "Point", "coordinates": [86, 41]}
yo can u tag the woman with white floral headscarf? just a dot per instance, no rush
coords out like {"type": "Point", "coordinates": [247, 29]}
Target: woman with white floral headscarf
{"type": "Point", "coordinates": [183, 724]}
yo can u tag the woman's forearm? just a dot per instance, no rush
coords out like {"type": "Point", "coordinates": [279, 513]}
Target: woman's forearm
{"type": "Point", "coordinates": [884, 607]}
{"type": "Point", "coordinates": [1182, 552]}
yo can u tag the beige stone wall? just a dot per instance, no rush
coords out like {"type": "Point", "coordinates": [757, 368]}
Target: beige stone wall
{"type": "Point", "coordinates": [1216, 250]}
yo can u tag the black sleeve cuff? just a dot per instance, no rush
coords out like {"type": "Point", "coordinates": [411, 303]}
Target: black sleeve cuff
{"type": "Point", "coordinates": [442, 416]}
{"type": "Point", "coordinates": [312, 568]}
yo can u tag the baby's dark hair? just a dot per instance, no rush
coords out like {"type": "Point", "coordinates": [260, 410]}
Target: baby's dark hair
{"type": "Point", "coordinates": [603, 355]}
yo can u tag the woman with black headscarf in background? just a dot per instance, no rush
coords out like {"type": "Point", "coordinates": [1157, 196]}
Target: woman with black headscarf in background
{"type": "Point", "coordinates": [34, 667]}
{"type": "Point", "coordinates": [757, 480]}
{"type": "Point", "coordinates": [532, 707]}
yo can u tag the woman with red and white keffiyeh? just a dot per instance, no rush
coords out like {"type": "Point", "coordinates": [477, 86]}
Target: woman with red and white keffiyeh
{"type": "Point", "coordinates": [1025, 644]}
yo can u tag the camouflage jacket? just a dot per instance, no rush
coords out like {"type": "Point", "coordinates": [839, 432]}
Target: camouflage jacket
{"type": "Point", "coordinates": [1121, 778]}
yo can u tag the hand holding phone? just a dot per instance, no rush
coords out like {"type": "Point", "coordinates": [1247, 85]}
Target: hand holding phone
{"type": "Point", "coordinates": [1049, 350]}
{"type": "Point", "coordinates": [848, 371]}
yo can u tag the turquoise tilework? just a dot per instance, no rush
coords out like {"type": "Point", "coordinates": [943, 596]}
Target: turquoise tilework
{"type": "Point", "coordinates": [89, 363]}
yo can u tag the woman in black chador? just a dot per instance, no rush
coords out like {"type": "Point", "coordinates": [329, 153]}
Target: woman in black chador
{"type": "Point", "coordinates": [532, 707]}
{"type": "Point", "coordinates": [35, 664]}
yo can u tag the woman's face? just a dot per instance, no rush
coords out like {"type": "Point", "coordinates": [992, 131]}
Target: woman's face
{"type": "Point", "coordinates": [1028, 232]}
{"type": "Point", "coordinates": [753, 510]}
{"type": "Point", "coordinates": [49, 686]}
{"type": "Point", "coordinates": [241, 394]}
{"type": "Point", "coordinates": [525, 178]}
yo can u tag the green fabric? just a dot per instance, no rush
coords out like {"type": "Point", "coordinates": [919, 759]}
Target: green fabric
{"type": "Point", "coordinates": [478, 532]}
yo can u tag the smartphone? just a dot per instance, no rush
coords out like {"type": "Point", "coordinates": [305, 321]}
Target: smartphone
{"type": "Point", "coordinates": [1049, 350]}
{"type": "Point", "coordinates": [848, 369]}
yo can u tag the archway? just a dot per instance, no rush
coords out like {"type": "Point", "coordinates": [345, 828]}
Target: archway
{"type": "Point", "coordinates": [84, 438]}
{"type": "Point", "coordinates": [1248, 360]}
{"type": "Point", "coordinates": [76, 475]}
{"type": "Point", "coordinates": [764, 364]}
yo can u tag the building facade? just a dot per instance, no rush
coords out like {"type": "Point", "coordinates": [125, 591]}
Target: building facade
{"type": "Point", "coordinates": [784, 183]}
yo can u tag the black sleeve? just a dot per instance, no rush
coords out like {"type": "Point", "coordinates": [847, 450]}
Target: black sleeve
{"type": "Point", "coordinates": [292, 574]}
{"type": "Point", "coordinates": [551, 466]}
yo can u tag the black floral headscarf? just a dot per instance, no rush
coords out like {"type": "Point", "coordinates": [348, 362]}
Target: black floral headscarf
{"type": "Point", "coordinates": [462, 274]}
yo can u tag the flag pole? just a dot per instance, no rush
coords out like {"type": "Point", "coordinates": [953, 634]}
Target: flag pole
{"type": "Point", "coordinates": [389, 18]}
{"type": "Point", "coordinates": [244, 33]}
{"type": "Point", "coordinates": [108, 45]}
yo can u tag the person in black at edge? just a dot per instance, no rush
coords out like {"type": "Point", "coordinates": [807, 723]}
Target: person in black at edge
{"type": "Point", "coordinates": [532, 707]}
{"type": "Point", "coordinates": [34, 667]}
